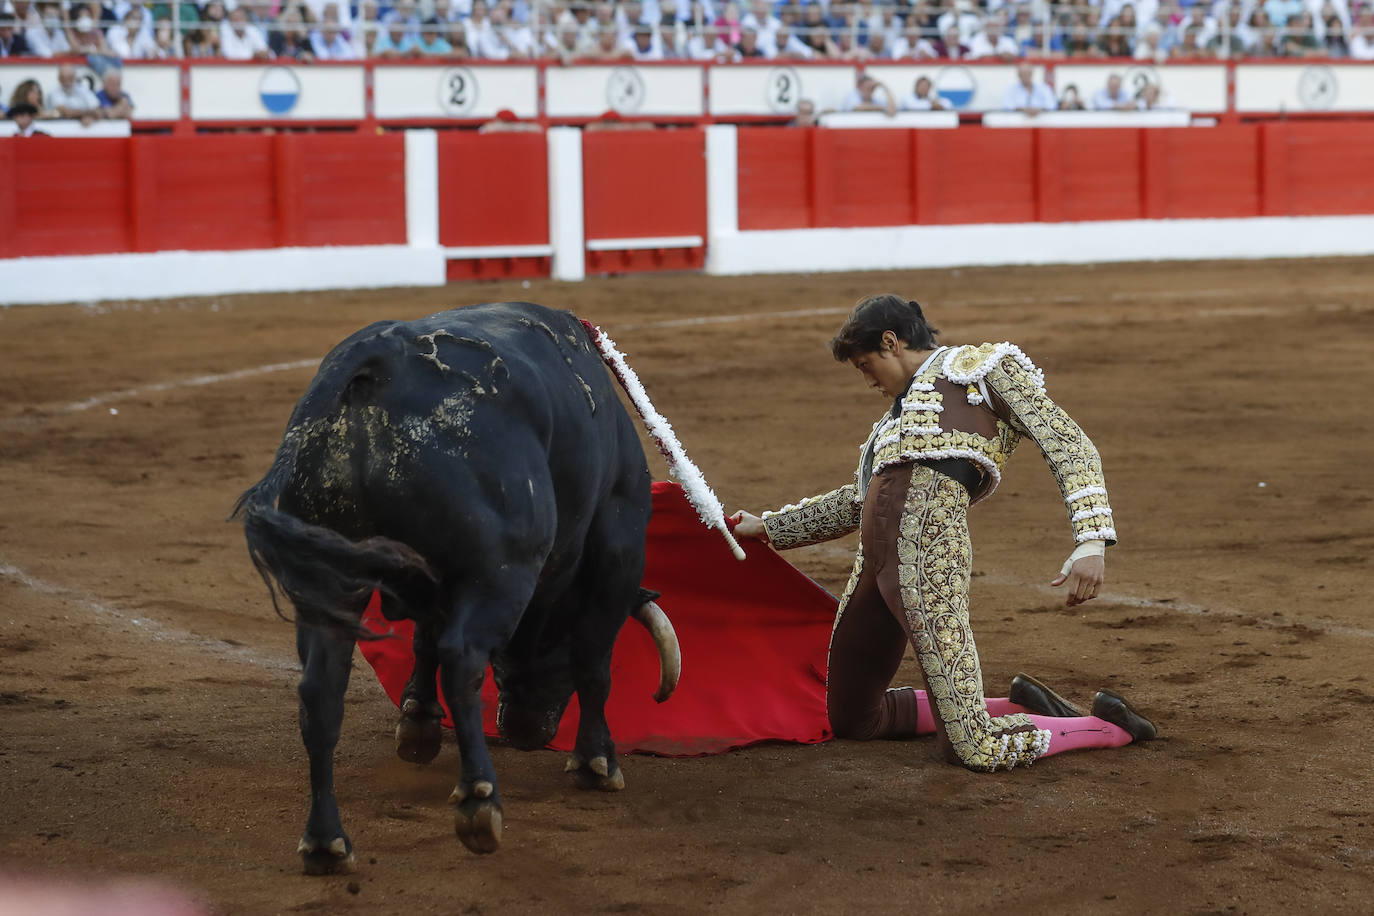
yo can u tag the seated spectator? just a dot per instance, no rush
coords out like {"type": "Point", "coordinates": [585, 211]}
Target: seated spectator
{"type": "Point", "coordinates": [1070, 101]}
{"type": "Point", "coordinates": [395, 40]}
{"type": "Point", "coordinates": [498, 38]}
{"type": "Point", "coordinates": [791, 47]}
{"type": "Point", "coordinates": [1230, 42]}
{"type": "Point", "coordinates": [240, 39]}
{"type": "Point", "coordinates": [1078, 42]}
{"type": "Point", "coordinates": [1280, 11]}
{"type": "Point", "coordinates": [950, 47]}
{"type": "Point", "coordinates": [71, 98]}
{"type": "Point", "coordinates": [128, 40]}
{"type": "Point", "coordinates": [1152, 98]}
{"type": "Point", "coordinates": [1188, 48]}
{"type": "Point", "coordinates": [115, 103]}
{"type": "Point", "coordinates": [815, 34]}
{"type": "Point", "coordinates": [912, 44]}
{"type": "Point", "coordinates": [1336, 45]}
{"type": "Point", "coordinates": [1026, 95]}
{"type": "Point", "coordinates": [30, 93]}
{"type": "Point", "coordinates": [761, 19]}
{"type": "Point", "coordinates": [23, 116]}
{"type": "Point", "coordinates": [1148, 48]}
{"type": "Point", "coordinates": [328, 42]}
{"type": "Point", "coordinates": [85, 39]}
{"type": "Point", "coordinates": [923, 98]}
{"type": "Point", "coordinates": [1197, 18]}
{"type": "Point", "coordinates": [608, 46]}
{"type": "Point", "coordinates": [1113, 41]}
{"type": "Point", "coordinates": [47, 30]}
{"type": "Point", "coordinates": [993, 42]}
{"type": "Point", "coordinates": [1030, 41]}
{"type": "Point", "coordinates": [431, 42]}
{"type": "Point", "coordinates": [877, 48]}
{"type": "Point", "coordinates": [199, 43]}
{"type": "Point", "coordinates": [1113, 96]}
{"type": "Point", "coordinates": [290, 38]}
{"type": "Point", "coordinates": [12, 40]}
{"type": "Point", "coordinates": [1300, 38]}
{"type": "Point", "coordinates": [806, 114]}
{"type": "Point", "coordinates": [747, 49]}
{"type": "Point", "coordinates": [561, 42]}
{"type": "Point", "coordinates": [963, 15]}
{"type": "Point", "coordinates": [1362, 35]}
{"type": "Point", "coordinates": [864, 97]}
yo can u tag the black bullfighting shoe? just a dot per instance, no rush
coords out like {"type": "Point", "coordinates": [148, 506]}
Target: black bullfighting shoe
{"type": "Point", "coordinates": [1114, 708]}
{"type": "Point", "coordinates": [1028, 692]}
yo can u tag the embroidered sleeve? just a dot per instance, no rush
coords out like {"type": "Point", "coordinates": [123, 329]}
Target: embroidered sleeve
{"type": "Point", "coordinates": [815, 519]}
{"type": "Point", "coordinates": [1068, 451]}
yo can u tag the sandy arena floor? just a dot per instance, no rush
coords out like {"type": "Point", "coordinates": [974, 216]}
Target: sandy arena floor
{"type": "Point", "coordinates": [147, 707]}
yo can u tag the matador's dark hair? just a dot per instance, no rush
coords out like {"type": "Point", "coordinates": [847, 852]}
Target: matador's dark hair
{"type": "Point", "coordinates": [862, 331]}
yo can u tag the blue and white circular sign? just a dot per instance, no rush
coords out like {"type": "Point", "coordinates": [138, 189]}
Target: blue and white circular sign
{"type": "Point", "coordinates": [279, 89]}
{"type": "Point", "coordinates": [956, 85]}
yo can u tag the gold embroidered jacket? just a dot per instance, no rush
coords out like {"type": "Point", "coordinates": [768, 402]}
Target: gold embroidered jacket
{"type": "Point", "coordinates": [974, 403]}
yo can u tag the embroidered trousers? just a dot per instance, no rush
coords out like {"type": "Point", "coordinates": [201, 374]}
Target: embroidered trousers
{"type": "Point", "coordinates": [910, 583]}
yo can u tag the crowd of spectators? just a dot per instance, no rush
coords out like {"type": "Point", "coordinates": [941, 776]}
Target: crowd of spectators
{"type": "Point", "coordinates": [722, 30]}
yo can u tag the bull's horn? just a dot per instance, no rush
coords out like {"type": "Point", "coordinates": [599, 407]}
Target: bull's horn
{"type": "Point", "coordinates": [669, 655]}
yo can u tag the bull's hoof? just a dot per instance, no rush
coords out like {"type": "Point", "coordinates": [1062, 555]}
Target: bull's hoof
{"type": "Point", "coordinates": [418, 742]}
{"type": "Point", "coordinates": [332, 858]}
{"type": "Point", "coordinates": [477, 823]}
{"type": "Point", "coordinates": [596, 773]}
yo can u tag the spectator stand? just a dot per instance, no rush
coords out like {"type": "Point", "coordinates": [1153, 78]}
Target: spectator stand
{"type": "Point", "coordinates": [217, 95]}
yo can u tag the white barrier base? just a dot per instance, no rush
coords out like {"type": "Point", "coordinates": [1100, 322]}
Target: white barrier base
{"type": "Point", "coordinates": [91, 278]}
{"type": "Point", "coordinates": [907, 247]}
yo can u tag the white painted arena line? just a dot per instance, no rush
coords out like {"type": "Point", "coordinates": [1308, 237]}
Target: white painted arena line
{"type": "Point", "coordinates": [1067, 299]}
{"type": "Point", "coordinates": [193, 382]}
{"type": "Point", "coordinates": [154, 630]}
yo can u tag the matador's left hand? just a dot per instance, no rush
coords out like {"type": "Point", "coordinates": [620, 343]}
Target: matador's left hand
{"type": "Point", "coordinates": [1084, 579]}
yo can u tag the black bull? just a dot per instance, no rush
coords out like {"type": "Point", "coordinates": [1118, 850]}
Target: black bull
{"type": "Point", "coordinates": [479, 470]}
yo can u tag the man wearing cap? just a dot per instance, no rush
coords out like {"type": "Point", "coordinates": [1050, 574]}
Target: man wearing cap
{"type": "Point", "coordinates": [23, 116]}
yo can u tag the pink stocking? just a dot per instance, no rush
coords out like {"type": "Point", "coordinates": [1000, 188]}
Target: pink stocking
{"type": "Point", "coordinates": [1081, 733]}
{"type": "Point", "coordinates": [1067, 734]}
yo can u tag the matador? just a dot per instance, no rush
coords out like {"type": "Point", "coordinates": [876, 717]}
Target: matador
{"type": "Point", "coordinates": [957, 415]}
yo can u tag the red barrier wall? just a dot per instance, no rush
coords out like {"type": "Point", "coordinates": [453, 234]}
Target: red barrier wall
{"type": "Point", "coordinates": [798, 178]}
{"type": "Point", "coordinates": [202, 193]}
{"type": "Point", "coordinates": [641, 184]}
{"type": "Point", "coordinates": [493, 189]}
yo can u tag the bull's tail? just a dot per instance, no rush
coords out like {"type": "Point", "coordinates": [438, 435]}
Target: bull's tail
{"type": "Point", "coordinates": [325, 575]}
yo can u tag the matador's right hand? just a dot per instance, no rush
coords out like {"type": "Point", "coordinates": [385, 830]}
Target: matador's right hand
{"type": "Point", "coordinates": [749, 526]}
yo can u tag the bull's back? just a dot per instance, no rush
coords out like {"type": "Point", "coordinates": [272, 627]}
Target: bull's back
{"type": "Point", "coordinates": [488, 419]}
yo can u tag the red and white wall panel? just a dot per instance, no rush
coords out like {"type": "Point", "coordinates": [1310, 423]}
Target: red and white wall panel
{"type": "Point", "coordinates": [167, 215]}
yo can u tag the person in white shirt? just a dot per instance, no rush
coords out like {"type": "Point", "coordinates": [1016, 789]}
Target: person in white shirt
{"type": "Point", "coordinates": [863, 97]}
{"type": "Point", "coordinates": [1026, 95]}
{"type": "Point", "coordinates": [128, 41]}
{"type": "Point", "coordinates": [923, 97]}
{"type": "Point", "coordinates": [240, 39]}
{"type": "Point", "coordinates": [964, 17]}
{"type": "Point", "coordinates": [329, 41]}
{"type": "Point", "coordinates": [1362, 36]}
{"type": "Point", "coordinates": [498, 39]}
{"type": "Point", "coordinates": [71, 98]}
{"type": "Point", "coordinates": [1152, 98]}
{"type": "Point", "coordinates": [993, 42]}
{"type": "Point", "coordinates": [1149, 47]}
{"type": "Point", "coordinates": [1113, 96]}
{"type": "Point", "coordinates": [912, 43]}
{"type": "Point", "coordinates": [760, 18]}
{"type": "Point", "coordinates": [44, 32]}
